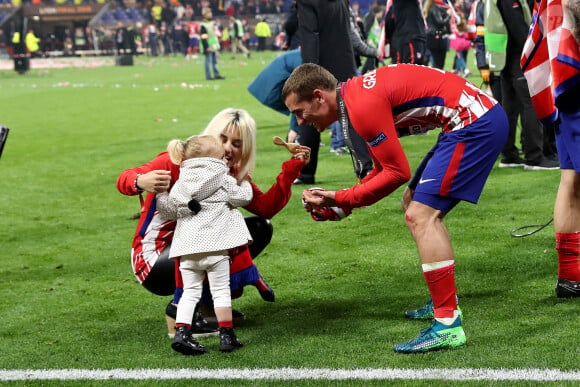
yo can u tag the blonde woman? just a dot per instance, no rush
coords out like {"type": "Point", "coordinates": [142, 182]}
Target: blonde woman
{"type": "Point", "coordinates": [150, 249]}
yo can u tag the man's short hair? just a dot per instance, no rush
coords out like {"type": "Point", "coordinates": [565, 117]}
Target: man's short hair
{"type": "Point", "coordinates": [305, 79]}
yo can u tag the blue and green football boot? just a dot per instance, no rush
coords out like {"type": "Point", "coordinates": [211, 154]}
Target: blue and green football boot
{"type": "Point", "coordinates": [426, 312]}
{"type": "Point", "coordinates": [435, 337]}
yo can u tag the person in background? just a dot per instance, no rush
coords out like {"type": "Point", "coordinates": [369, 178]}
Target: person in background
{"type": "Point", "coordinates": [179, 37]}
{"type": "Point", "coordinates": [475, 23]}
{"type": "Point", "coordinates": [237, 35]}
{"type": "Point", "coordinates": [359, 44]}
{"type": "Point", "coordinates": [3, 44]}
{"type": "Point", "coordinates": [460, 43]}
{"type": "Point", "coordinates": [437, 14]}
{"type": "Point", "coordinates": [121, 42]}
{"type": "Point", "coordinates": [383, 105]}
{"type": "Point", "coordinates": [164, 39]}
{"type": "Point", "coordinates": [266, 87]}
{"type": "Point", "coordinates": [223, 30]}
{"type": "Point", "coordinates": [32, 43]}
{"type": "Point", "coordinates": [210, 45]}
{"type": "Point", "coordinates": [506, 27]}
{"type": "Point", "coordinates": [153, 235]}
{"type": "Point", "coordinates": [152, 39]}
{"type": "Point", "coordinates": [192, 40]}
{"type": "Point", "coordinates": [18, 46]}
{"type": "Point", "coordinates": [155, 13]}
{"type": "Point", "coordinates": [262, 32]}
{"type": "Point", "coordinates": [361, 49]}
{"type": "Point", "coordinates": [324, 29]}
{"type": "Point", "coordinates": [290, 28]}
{"type": "Point", "coordinates": [204, 202]}
{"type": "Point", "coordinates": [372, 26]}
{"type": "Point", "coordinates": [405, 32]}
{"type": "Point", "coordinates": [552, 68]}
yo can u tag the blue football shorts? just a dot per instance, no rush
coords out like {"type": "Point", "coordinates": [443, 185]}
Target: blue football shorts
{"type": "Point", "coordinates": [462, 162]}
{"type": "Point", "coordinates": [568, 140]}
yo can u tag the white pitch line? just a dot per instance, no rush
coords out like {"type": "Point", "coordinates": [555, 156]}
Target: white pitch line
{"type": "Point", "coordinates": [523, 374]}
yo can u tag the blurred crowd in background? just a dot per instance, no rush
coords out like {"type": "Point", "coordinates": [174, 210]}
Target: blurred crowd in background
{"type": "Point", "coordinates": [153, 27]}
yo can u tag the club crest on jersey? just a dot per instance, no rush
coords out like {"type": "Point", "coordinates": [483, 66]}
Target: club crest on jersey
{"type": "Point", "coordinates": [370, 79]}
{"type": "Point", "coordinates": [375, 141]}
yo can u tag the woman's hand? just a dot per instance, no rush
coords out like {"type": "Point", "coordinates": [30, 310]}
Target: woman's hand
{"type": "Point", "coordinates": [303, 154]}
{"type": "Point", "coordinates": [154, 181]}
{"type": "Point", "coordinates": [246, 177]}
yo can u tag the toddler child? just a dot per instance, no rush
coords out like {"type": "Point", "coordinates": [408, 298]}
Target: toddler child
{"type": "Point", "coordinates": [204, 202]}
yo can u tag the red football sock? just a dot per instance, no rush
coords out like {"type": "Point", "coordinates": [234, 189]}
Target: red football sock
{"type": "Point", "coordinates": [225, 324]}
{"type": "Point", "coordinates": [568, 248]}
{"type": "Point", "coordinates": [441, 283]}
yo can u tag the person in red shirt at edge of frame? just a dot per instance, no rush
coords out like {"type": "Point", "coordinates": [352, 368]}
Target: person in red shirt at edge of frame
{"type": "Point", "coordinates": [395, 101]}
{"type": "Point", "coordinates": [153, 236]}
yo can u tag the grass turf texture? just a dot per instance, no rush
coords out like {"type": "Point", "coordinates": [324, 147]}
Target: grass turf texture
{"type": "Point", "coordinates": [69, 299]}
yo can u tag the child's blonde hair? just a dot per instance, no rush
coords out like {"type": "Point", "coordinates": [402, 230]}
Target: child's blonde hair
{"type": "Point", "coordinates": [195, 146]}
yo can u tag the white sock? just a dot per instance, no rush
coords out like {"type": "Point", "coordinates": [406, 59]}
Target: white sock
{"type": "Point", "coordinates": [436, 265]}
{"type": "Point", "coordinates": [448, 320]}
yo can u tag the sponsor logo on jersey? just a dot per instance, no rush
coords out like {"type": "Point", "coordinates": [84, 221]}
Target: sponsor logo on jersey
{"type": "Point", "coordinates": [370, 79]}
{"type": "Point", "coordinates": [422, 181]}
{"type": "Point", "coordinates": [379, 138]}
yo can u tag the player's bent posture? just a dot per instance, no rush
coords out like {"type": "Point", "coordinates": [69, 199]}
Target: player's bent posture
{"type": "Point", "coordinates": [400, 100]}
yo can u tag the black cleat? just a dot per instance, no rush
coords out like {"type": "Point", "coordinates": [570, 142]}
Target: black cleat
{"type": "Point", "coordinates": [199, 327]}
{"type": "Point", "coordinates": [184, 343]}
{"type": "Point", "coordinates": [208, 314]}
{"type": "Point", "coordinates": [567, 289]}
{"type": "Point", "coordinates": [238, 315]}
{"type": "Point", "coordinates": [228, 340]}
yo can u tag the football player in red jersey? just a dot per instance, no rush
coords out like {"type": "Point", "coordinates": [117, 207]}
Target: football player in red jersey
{"type": "Point", "coordinates": [395, 101]}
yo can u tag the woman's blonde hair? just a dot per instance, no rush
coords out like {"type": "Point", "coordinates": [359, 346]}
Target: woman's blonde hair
{"type": "Point", "coordinates": [195, 146]}
{"type": "Point", "coordinates": [227, 121]}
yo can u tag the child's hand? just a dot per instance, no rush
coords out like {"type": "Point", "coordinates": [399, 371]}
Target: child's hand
{"type": "Point", "coordinates": [303, 154]}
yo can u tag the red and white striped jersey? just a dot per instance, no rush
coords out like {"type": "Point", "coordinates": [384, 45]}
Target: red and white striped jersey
{"type": "Point", "coordinates": [193, 29]}
{"type": "Point", "coordinates": [551, 57]}
{"type": "Point", "coordinates": [398, 100]}
{"type": "Point", "coordinates": [415, 98]}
